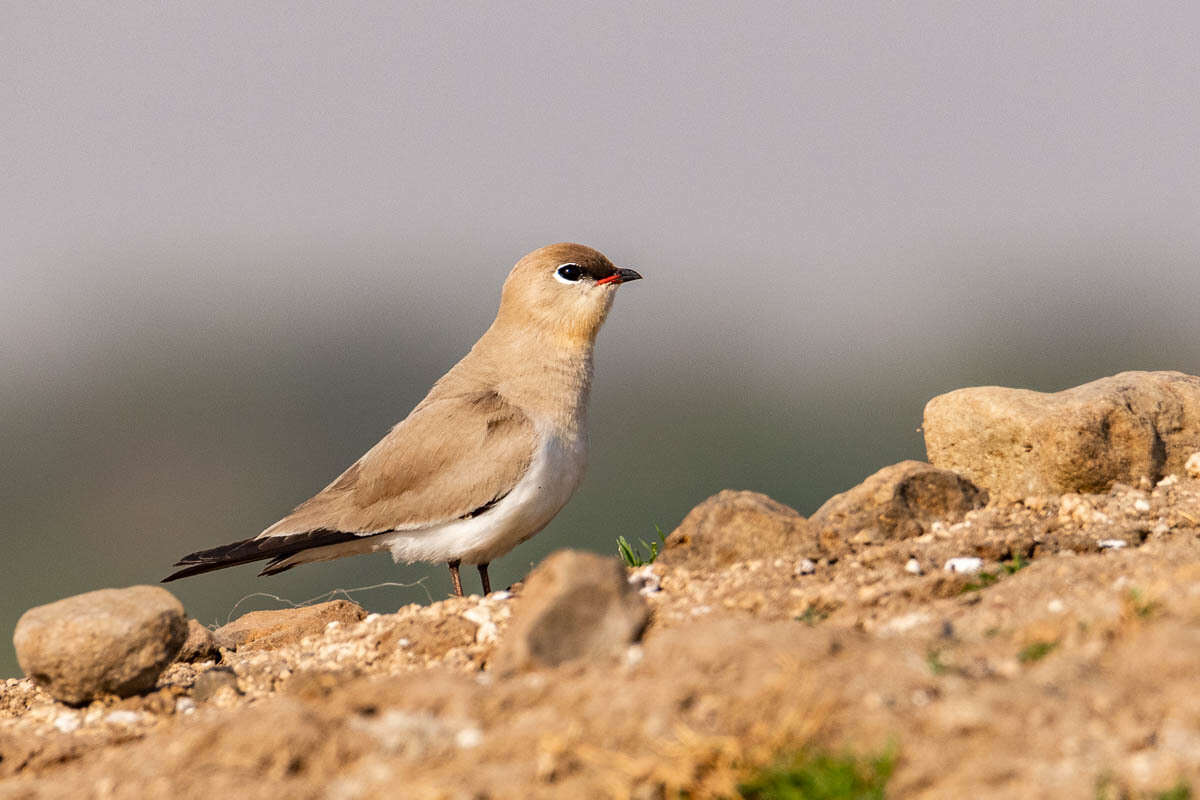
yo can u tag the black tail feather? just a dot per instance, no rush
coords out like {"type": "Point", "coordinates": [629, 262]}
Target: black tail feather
{"type": "Point", "coordinates": [276, 548]}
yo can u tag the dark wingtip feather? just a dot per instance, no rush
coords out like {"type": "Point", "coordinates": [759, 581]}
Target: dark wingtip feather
{"type": "Point", "coordinates": [273, 568]}
{"type": "Point", "coordinates": [277, 548]}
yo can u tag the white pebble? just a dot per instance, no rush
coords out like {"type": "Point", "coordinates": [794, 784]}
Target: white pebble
{"type": "Point", "coordinates": [500, 595]}
{"type": "Point", "coordinates": [468, 738]}
{"type": "Point", "coordinates": [806, 567]}
{"type": "Point", "coordinates": [634, 655]}
{"type": "Point", "coordinates": [481, 615]}
{"type": "Point", "coordinates": [964, 565]}
{"type": "Point", "coordinates": [1141, 504]}
{"type": "Point", "coordinates": [645, 580]}
{"type": "Point", "coordinates": [1192, 465]}
{"type": "Point", "coordinates": [1112, 544]}
{"type": "Point", "coordinates": [123, 717]}
{"type": "Point", "coordinates": [1170, 480]}
{"type": "Point", "coordinates": [67, 723]}
{"type": "Point", "coordinates": [913, 566]}
{"type": "Point", "coordinates": [906, 622]}
{"type": "Point", "coordinates": [371, 618]}
{"type": "Point", "coordinates": [1055, 606]}
{"type": "Point", "coordinates": [185, 705]}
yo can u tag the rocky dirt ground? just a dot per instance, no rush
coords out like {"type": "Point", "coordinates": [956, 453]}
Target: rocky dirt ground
{"type": "Point", "coordinates": [1041, 646]}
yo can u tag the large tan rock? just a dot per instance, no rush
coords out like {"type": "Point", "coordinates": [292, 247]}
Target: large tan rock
{"type": "Point", "coordinates": [897, 502]}
{"type": "Point", "coordinates": [267, 630]}
{"type": "Point", "coordinates": [736, 526]}
{"type": "Point", "coordinates": [111, 641]}
{"type": "Point", "coordinates": [1016, 442]}
{"type": "Point", "coordinates": [574, 605]}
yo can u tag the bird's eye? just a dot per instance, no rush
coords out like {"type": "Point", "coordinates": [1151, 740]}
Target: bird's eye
{"type": "Point", "coordinates": [568, 273]}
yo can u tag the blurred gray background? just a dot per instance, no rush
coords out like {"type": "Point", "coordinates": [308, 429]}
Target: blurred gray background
{"type": "Point", "coordinates": [239, 241]}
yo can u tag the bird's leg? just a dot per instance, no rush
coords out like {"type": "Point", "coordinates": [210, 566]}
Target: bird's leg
{"type": "Point", "coordinates": [483, 578]}
{"type": "Point", "coordinates": [454, 577]}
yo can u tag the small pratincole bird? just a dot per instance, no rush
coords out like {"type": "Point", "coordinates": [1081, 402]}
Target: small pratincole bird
{"type": "Point", "coordinates": [490, 455]}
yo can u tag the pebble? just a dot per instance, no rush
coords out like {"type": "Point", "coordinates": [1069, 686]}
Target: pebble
{"type": "Point", "coordinates": [1192, 465]}
{"type": "Point", "coordinates": [481, 615]}
{"type": "Point", "coordinates": [964, 565]}
{"type": "Point", "coordinates": [1112, 544]}
{"type": "Point", "coordinates": [1170, 480]}
{"type": "Point", "coordinates": [1055, 606]}
{"type": "Point", "coordinates": [468, 738]}
{"type": "Point", "coordinates": [913, 567]}
{"type": "Point", "coordinates": [805, 567]}
{"type": "Point", "coordinates": [1142, 505]}
{"type": "Point", "coordinates": [124, 717]}
{"type": "Point", "coordinates": [67, 723]}
{"type": "Point", "coordinates": [634, 655]}
{"type": "Point", "coordinates": [645, 580]}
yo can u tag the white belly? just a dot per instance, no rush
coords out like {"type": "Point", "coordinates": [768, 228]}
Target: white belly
{"type": "Point", "coordinates": [553, 477]}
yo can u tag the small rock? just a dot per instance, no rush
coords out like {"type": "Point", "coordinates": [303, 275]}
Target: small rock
{"type": "Point", "coordinates": [111, 641]}
{"type": "Point", "coordinates": [213, 681]}
{"type": "Point", "coordinates": [897, 502]}
{"type": "Point", "coordinates": [267, 630]}
{"type": "Point", "coordinates": [574, 605]}
{"type": "Point", "coordinates": [468, 738]}
{"type": "Point", "coordinates": [806, 567]}
{"type": "Point", "coordinates": [645, 580]}
{"type": "Point", "coordinates": [964, 565]}
{"type": "Point", "coordinates": [67, 723]}
{"type": "Point", "coordinates": [1141, 505]}
{"type": "Point", "coordinates": [1192, 466]}
{"type": "Point", "coordinates": [1016, 442]}
{"type": "Point", "coordinates": [734, 526]}
{"type": "Point", "coordinates": [1170, 480]}
{"type": "Point", "coordinates": [1035, 503]}
{"type": "Point", "coordinates": [124, 717]}
{"type": "Point", "coordinates": [913, 567]}
{"type": "Point", "coordinates": [487, 631]}
{"type": "Point", "coordinates": [199, 644]}
{"type": "Point", "coordinates": [1112, 544]}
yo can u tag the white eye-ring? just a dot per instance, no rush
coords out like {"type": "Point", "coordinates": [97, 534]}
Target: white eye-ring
{"type": "Point", "coordinates": [568, 273]}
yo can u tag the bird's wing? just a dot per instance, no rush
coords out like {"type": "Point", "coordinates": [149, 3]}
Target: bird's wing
{"type": "Point", "coordinates": [451, 458]}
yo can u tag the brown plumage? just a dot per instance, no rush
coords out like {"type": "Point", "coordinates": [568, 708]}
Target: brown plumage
{"type": "Point", "coordinates": [487, 458]}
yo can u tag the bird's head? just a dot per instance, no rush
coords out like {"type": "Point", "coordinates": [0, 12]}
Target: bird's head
{"type": "Point", "coordinates": [563, 291]}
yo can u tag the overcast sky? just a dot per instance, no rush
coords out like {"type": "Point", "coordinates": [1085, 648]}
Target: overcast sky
{"type": "Point", "coordinates": [798, 163]}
